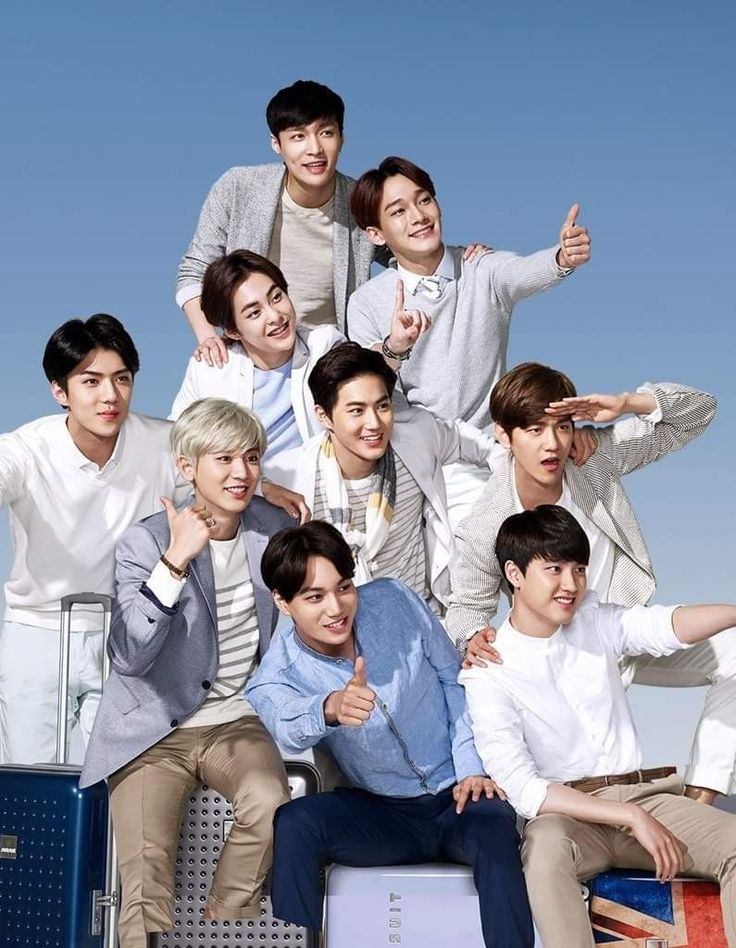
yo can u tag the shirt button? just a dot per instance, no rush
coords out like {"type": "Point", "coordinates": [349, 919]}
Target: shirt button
{"type": "Point", "coordinates": [206, 684]}
{"type": "Point", "coordinates": [175, 722]}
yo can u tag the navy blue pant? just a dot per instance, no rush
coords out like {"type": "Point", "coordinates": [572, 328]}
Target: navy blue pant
{"type": "Point", "coordinates": [355, 828]}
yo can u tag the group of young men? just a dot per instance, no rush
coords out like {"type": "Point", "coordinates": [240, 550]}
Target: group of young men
{"type": "Point", "coordinates": [434, 480]}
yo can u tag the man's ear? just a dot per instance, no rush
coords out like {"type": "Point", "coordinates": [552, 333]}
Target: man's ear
{"type": "Point", "coordinates": [275, 146]}
{"type": "Point", "coordinates": [375, 236]}
{"type": "Point", "coordinates": [281, 604]}
{"type": "Point", "coordinates": [501, 435]}
{"type": "Point", "coordinates": [513, 574]}
{"type": "Point", "coordinates": [186, 467]}
{"type": "Point", "coordinates": [232, 334]}
{"type": "Point", "coordinates": [323, 418]}
{"type": "Point", "coordinates": [59, 394]}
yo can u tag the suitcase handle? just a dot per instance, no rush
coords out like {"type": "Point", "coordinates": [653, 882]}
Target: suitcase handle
{"type": "Point", "coordinates": [108, 900]}
{"type": "Point", "coordinates": [82, 599]}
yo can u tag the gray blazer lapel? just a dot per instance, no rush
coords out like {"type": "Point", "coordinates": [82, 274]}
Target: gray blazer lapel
{"type": "Point", "coordinates": [341, 249]}
{"type": "Point", "coordinates": [256, 541]}
{"type": "Point", "coordinates": [204, 577]}
{"type": "Point", "coordinates": [264, 200]}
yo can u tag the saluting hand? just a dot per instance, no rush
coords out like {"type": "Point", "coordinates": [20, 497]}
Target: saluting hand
{"type": "Point", "coordinates": [354, 704]}
{"type": "Point", "coordinates": [574, 241]}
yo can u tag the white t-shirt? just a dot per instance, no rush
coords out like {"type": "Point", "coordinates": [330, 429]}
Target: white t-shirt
{"type": "Point", "coordinates": [237, 635]}
{"type": "Point", "coordinates": [66, 513]}
{"type": "Point", "coordinates": [302, 247]}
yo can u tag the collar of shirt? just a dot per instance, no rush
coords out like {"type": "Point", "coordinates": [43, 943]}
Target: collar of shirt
{"type": "Point", "coordinates": [82, 461]}
{"type": "Point", "coordinates": [445, 271]}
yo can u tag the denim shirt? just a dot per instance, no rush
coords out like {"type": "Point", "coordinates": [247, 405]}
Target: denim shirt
{"type": "Point", "coordinates": [417, 739]}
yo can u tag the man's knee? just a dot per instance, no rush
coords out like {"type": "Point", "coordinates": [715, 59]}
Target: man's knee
{"type": "Point", "coordinates": [547, 846]}
{"type": "Point", "coordinates": [298, 820]}
{"type": "Point", "coordinates": [260, 798]}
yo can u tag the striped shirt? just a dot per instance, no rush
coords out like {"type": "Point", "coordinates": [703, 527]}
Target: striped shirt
{"type": "Point", "coordinates": [403, 555]}
{"type": "Point", "coordinates": [237, 636]}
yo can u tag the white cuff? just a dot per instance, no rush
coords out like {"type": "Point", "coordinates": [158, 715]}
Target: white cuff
{"type": "Point", "coordinates": [189, 292]}
{"type": "Point", "coordinates": [165, 587]}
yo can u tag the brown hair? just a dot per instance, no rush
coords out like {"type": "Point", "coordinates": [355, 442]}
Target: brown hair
{"type": "Point", "coordinates": [365, 201]}
{"type": "Point", "coordinates": [519, 398]}
{"type": "Point", "coordinates": [224, 276]}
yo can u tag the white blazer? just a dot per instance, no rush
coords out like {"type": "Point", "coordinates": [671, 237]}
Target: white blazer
{"type": "Point", "coordinates": [424, 443]}
{"type": "Point", "coordinates": [234, 380]}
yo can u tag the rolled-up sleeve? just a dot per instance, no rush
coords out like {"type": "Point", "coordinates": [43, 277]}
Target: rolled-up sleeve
{"type": "Point", "coordinates": [499, 740]}
{"type": "Point", "coordinates": [640, 630]}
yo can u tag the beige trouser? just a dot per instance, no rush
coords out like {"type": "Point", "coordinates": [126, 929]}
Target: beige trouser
{"type": "Point", "coordinates": [558, 852]}
{"type": "Point", "coordinates": [148, 797]}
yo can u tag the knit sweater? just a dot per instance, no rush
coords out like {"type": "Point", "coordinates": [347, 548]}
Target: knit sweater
{"type": "Point", "coordinates": [455, 364]}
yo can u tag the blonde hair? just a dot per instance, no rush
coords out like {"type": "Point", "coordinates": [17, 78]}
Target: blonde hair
{"type": "Point", "coordinates": [216, 424]}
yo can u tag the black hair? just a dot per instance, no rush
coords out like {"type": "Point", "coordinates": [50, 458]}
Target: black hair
{"type": "Point", "coordinates": [301, 103]}
{"type": "Point", "coordinates": [72, 342]}
{"type": "Point", "coordinates": [286, 558]}
{"type": "Point", "coordinates": [547, 532]}
{"type": "Point", "coordinates": [343, 364]}
{"type": "Point", "coordinates": [223, 277]}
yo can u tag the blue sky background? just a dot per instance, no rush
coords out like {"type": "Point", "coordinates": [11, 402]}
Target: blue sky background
{"type": "Point", "coordinates": [118, 118]}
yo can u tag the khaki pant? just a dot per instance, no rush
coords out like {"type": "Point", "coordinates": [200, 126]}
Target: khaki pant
{"type": "Point", "coordinates": [148, 797]}
{"type": "Point", "coordinates": [558, 852]}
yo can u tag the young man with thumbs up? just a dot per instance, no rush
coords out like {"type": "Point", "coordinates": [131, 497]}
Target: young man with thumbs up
{"type": "Point", "coordinates": [191, 620]}
{"type": "Point", "coordinates": [454, 365]}
{"type": "Point", "coordinates": [369, 674]}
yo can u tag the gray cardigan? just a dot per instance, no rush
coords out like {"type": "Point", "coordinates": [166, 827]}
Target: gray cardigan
{"type": "Point", "coordinates": [239, 213]}
{"type": "Point", "coordinates": [164, 660]}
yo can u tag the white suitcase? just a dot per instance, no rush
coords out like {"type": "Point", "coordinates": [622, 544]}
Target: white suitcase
{"type": "Point", "coordinates": [432, 905]}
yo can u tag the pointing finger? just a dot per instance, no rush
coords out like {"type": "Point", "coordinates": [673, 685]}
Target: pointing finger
{"type": "Point", "coordinates": [399, 303]}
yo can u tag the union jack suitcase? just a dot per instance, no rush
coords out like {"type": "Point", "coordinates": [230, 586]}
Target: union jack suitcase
{"type": "Point", "coordinates": [207, 821]}
{"type": "Point", "coordinates": [57, 859]}
{"type": "Point", "coordinates": [627, 908]}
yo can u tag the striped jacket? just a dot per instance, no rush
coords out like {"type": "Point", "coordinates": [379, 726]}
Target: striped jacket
{"type": "Point", "coordinates": [681, 415]}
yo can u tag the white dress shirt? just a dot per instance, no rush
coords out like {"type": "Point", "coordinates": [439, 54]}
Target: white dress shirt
{"type": "Point", "coordinates": [66, 513]}
{"type": "Point", "coordinates": [556, 709]}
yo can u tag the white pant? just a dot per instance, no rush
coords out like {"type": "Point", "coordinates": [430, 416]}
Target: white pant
{"type": "Point", "coordinates": [713, 753]}
{"type": "Point", "coordinates": [29, 686]}
{"type": "Point", "coordinates": [463, 484]}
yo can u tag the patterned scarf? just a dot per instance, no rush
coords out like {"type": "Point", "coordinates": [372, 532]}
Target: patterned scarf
{"type": "Point", "coordinates": [378, 514]}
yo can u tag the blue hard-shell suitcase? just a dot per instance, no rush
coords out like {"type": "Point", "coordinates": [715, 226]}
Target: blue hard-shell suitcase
{"type": "Point", "coordinates": [57, 864]}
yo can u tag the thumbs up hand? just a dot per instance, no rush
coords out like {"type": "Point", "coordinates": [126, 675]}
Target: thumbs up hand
{"type": "Point", "coordinates": [574, 241]}
{"type": "Point", "coordinates": [407, 325]}
{"type": "Point", "coordinates": [190, 529]}
{"type": "Point", "coordinates": [354, 704]}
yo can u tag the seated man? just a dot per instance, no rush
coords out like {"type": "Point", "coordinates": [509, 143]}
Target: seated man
{"type": "Point", "coordinates": [191, 620]}
{"type": "Point", "coordinates": [553, 727]}
{"type": "Point", "coordinates": [73, 482]}
{"type": "Point", "coordinates": [469, 302]}
{"type": "Point", "coordinates": [270, 355]}
{"type": "Point", "coordinates": [369, 675]}
{"type": "Point", "coordinates": [379, 481]}
{"type": "Point", "coordinates": [533, 408]}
